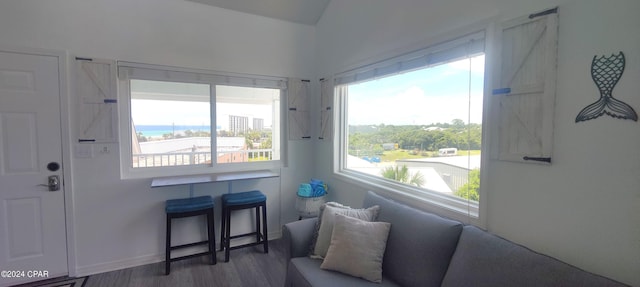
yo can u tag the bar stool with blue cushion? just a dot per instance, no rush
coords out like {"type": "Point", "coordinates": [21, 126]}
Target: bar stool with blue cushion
{"type": "Point", "coordinates": [186, 207]}
{"type": "Point", "coordinates": [237, 201]}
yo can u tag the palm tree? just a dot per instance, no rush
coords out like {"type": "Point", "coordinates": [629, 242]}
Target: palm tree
{"type": "Point", "coordinates": [403, 175]}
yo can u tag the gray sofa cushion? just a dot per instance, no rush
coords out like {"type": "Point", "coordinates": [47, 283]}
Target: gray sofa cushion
{"type": "Point", "coordinates": [483, 259]}
{"type": "Point", "coordinates": [420, 244]}
{"type": "Point", "coordinates": [298, 236]}
{"type": "Point", "coordinates": [305, 271]}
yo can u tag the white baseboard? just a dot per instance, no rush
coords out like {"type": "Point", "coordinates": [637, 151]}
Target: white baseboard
{"type": "Point", "coordinates": [118, 264]}
{"type": "Point", "coordinates": [147, 259]}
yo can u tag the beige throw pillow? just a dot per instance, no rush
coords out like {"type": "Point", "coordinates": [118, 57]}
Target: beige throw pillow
{"type": "Point", "coordinates": [357, 248]}
{"type": "Point", "coordinates": [328, 214]}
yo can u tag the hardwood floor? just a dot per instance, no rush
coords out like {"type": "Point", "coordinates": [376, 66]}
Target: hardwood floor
{"type": "Point", "coordinates": [246, 267]}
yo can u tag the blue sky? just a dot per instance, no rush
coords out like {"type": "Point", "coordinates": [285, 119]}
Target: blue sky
{"type": "Point", "coordinates": [437, 94]}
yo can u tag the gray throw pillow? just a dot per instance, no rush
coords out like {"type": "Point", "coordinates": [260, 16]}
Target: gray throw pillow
{"type": "Point", "coordinates": [357, 248]}
{"type": "Point", "coordinates": [326, 219]}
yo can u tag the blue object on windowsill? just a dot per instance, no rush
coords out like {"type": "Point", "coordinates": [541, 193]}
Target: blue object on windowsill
{"type": "Point", "coordinates": [305, 190]}
{"type": "Point", "coordinates": [314, 188]}
{"type": "Point", "coordinates": [317, 187]}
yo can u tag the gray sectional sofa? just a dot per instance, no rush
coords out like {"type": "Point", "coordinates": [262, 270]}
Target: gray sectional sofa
{"type": "Point", "coordinates": [426, 250]}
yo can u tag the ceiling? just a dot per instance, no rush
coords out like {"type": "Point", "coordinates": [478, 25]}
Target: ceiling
{"type": "Point", "coordinates": [298, 11]}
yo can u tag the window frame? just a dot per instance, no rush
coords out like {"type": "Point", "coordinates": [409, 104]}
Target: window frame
{"type": "Point", "coordinates": [128, 71]}
{"type": "Point", "coordinates": [451, 206]}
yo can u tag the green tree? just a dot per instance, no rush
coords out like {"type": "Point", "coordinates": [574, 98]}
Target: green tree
{"type": "Point", "coordinates": [364, 139]}
{"type": "Point", "coordinates": [457, 123]}
{"type": "Point", "coordinates": [266, 143]}
{"type": "Point", "coordinates": [403, 175]}
{"type": "Point", "coordinates": [251, 137]}
{"type": "Point", "coordinates": [471, 190]}
{"type": "Point", "coordinates": [360, 144]}
{"type": "Point", "coordinates": [141, 137]}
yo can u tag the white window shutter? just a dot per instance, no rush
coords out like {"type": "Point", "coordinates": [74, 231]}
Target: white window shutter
{"type": "Point", "coordinates": [298, 105]}
{"type": "Point", "coordinates": [527, 86]}
{"type": "Point", "coordinates": [97, 100]}
{"type": "Point", "coordinates": [326, 109]}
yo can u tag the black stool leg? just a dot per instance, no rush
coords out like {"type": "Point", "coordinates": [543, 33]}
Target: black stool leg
{"type": "Point", "coordinates": [258, 237]}
{"type": "Point", "coordinates": [222, 227]}
{"type": "Point", "coordinates": [167, 261]}
{"type": "Point", "coordinates": [264, 228]}
{"type": "Point", "coordinates": [227, 240]}
{"type": "Point", "coordinates": [212, 236]}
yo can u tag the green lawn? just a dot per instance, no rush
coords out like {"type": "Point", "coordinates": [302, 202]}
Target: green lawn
{"type": "Point", "coordinates": [393, 155]}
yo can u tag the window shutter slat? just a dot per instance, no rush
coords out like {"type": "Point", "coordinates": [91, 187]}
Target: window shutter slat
{"type": "Point", "coordinates": [97, 100]}
{"type": "Point", "coordinates": [298, 104]}
{"type": "Point", "coordinates": [326, 109]}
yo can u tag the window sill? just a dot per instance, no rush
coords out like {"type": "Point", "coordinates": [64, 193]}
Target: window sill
{"type": "Point", "coordinates": [141, 173]}
{"type": "Point", "coordinates": [207, 178]}
{"type": "Point", "coordinates": [444, 205]}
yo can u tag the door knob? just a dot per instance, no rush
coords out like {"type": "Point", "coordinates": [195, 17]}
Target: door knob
{"type": "Point", "coordinates": [53, 183]}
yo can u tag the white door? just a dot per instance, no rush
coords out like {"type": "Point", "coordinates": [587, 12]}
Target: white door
{"type": "Point", "coordinates": [32, 218]}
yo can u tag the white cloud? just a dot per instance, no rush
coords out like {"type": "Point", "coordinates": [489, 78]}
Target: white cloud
{"type": "Point", "coordinates": [477, 65]}
{"type": "Point", "coordinates": [151, 112]}
{"type": "Point", "coordinates": [413, 107]}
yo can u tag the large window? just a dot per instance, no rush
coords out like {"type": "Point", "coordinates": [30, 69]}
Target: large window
{"type": "Point", "coordinates": [414, 123]}
{"type": "Point", "coordinates": [194, 122]}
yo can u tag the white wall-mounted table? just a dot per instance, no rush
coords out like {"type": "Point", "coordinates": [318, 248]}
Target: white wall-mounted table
{"type": "Point", "coordinates": [207, 178]}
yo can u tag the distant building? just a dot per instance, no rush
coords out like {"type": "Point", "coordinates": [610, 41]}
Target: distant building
{"type": "Point", "coordinates": [183, 151]}
{"type": "Point", "coordinates": [258, 124]}
{"type": "Point", "coordinates": [431, 129]}
{"type": "Point", "coordinates": [389, 146]}
{"type": "Point", "coordinates": [231, 149]}
{"type": "Point", "coordinates": [454, 170]}
{"type": "Point", "coordinates": [238, 125]}
{"type": "Point", "coordinates": [224, 144]}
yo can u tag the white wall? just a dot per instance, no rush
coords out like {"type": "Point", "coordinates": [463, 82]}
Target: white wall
{"type": "Point", "coordinates": [584, 208]}
{"type": "Point", "coordinates": [120, 223]}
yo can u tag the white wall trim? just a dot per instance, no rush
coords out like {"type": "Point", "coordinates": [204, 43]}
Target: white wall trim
{"type": "Point", "coordinates": [118, 264]}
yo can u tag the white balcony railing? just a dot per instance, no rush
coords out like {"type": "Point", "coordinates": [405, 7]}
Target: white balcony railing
{"type": "Point", "coordinates": [199, 158]}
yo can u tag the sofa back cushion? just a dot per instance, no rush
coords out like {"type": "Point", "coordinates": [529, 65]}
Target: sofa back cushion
{"type": "Point", "coordinates": [420, 244]}
{"type": "Point", "coordinates": [483, 259]}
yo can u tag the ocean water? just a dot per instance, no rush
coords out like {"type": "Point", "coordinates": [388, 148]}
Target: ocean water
{"type": "Point", "coordinates": [158, 131]}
